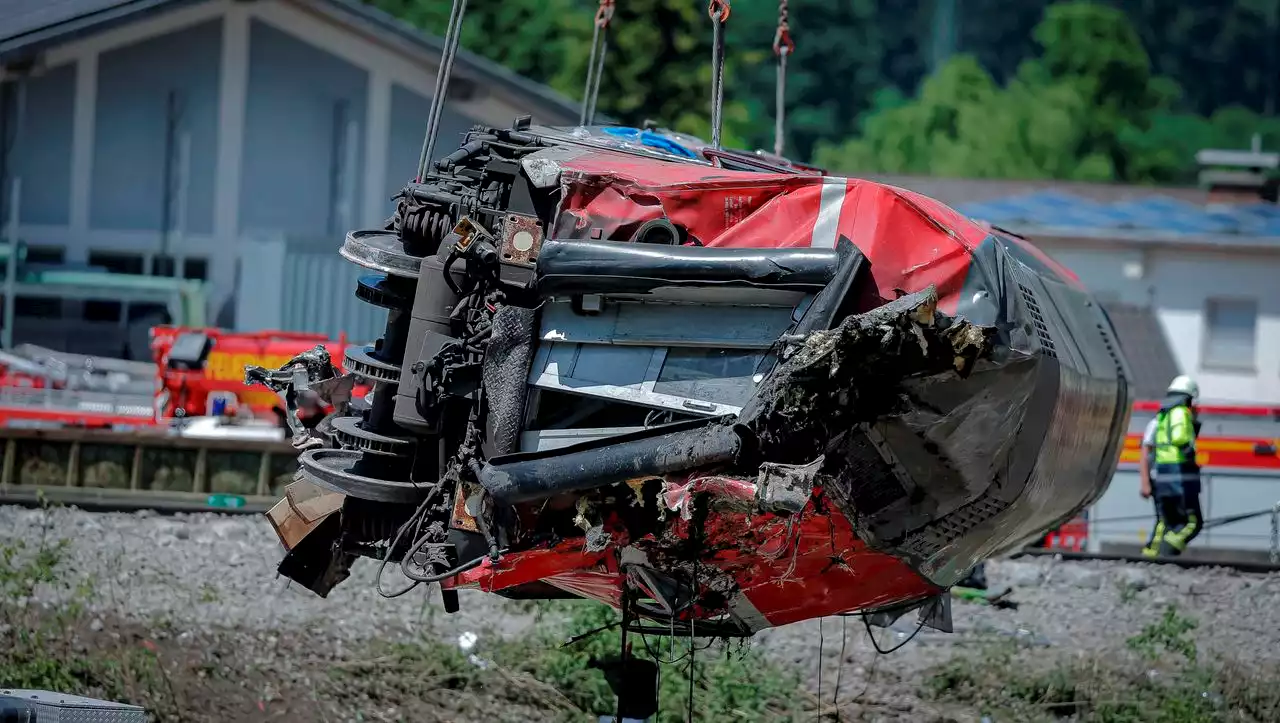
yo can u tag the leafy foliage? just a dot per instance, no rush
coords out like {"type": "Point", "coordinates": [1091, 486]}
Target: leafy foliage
{"type": "Point", "coordinates": [1122, 90]}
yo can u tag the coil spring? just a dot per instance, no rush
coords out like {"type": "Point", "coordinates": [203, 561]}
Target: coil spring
{"type": "Point", "coordinates": [421, 228]}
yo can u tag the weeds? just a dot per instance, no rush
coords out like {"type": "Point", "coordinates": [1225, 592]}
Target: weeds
{"type": "Point", "coordinates": [730, 683]}
{"type": "Point", "coordinates": [1128, 592]}
{"type": "Point", "coordinates": [40, 643]}
{"type": "Point", "coordinates": [1168, 633]}
{"type": "Point", "coordinates": [1153, 687]}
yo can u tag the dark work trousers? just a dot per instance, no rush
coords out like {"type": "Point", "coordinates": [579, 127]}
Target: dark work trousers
{"type": "Point", "coordinates": [1176, 495]}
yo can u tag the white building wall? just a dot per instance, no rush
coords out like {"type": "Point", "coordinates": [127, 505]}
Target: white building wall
{"type": "Point", "coordinates": [1179, 284]}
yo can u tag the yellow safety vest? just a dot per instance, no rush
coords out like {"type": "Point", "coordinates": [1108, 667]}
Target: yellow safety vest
{"type": "Point", "coordinates": [1175, 432]}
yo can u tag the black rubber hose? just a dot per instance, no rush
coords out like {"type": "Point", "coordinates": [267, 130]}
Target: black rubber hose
{"type": "Point", "coordinates": [592, 465]}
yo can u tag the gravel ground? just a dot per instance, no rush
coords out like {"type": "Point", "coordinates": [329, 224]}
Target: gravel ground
{"type": "Point", "coordinates": [194, 576]}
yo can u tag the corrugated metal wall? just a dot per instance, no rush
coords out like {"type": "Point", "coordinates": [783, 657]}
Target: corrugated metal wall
{"type": "Point", "coordinates": [303, 284]}
{"type": "Point", "coordinates": [319, 295]}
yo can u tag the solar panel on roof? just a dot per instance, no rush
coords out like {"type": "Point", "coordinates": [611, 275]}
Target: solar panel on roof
{"type": "Point", "coordinates": [1165, 214]}
{"type": "Point", "coordinates": [1259, 210]}
{"type": "Point", "coordinates": [1001, 211]}
{"type": "Point", "coordinates": [1082, 217]}
{"type": "Point", "coordinates": [1042, 199]}
{"type": "Point", "coordinates": [1164, 204]}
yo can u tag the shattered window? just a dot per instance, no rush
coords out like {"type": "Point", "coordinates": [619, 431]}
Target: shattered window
{"type": "Point", "coordinates": [686, 364]}
{"type": "Point", "coordinates": [714, 375]}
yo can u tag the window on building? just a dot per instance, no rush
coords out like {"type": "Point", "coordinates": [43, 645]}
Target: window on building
{"type": "Point", "coordinates": [37, 308]}
{"type": "Point", "coordinates": [163, 266]}
{"type": "Point", "coordinates": [101, 310]}
{"type": "Point", "coordinates": [51, 255]}
{"type": "Point", "coordinates": [144, 311]}
{"type": "Point", "coordinates": [118, 262]}
{"type": "Point", "coordinates": [1231, 329]}
{"type": "Point", "coordinates": [197, 269]}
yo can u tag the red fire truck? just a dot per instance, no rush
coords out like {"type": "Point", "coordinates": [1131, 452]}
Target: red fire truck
{"type": "Point", "coordinates": [195, 373]}
{"type": "Point", "coordinates": [200, 372]}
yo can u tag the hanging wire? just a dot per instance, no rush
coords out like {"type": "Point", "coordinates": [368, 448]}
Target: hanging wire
{"type": "Point", "coordinates": [719, 12]}
{"type": "Point", "coordinates": [821, 646]}
{"type": "Point", "coordinates": [844, 638]}
{"type": "Point", "coordinates": [875, 644]}
{"type": "Point", "coordinates": [693, 618]}
{"type": "Point", "coordinates": [595, 65]}
{"type": "Point", "coordinates": [442, 85]}
{"type": "Point", "coordinates": [783, 47]}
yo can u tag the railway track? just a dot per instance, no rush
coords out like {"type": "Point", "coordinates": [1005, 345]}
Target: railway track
{"type": "Point", "coordinates": [73, 485]}
{"type": "Point", "coordinates": [1204, 559]}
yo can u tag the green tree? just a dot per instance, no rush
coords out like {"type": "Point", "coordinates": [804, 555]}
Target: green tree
{"type": "Point", "coordinates": [832, 77]}
{"type": "Point", "coordinates": [1223, 52]}
{"type": "Point", "coordinates": [963, 124]}
{"type": "Point", "coordinates": [657, 65]}
{"type": "Point", "coordinates": [1096, 51]}
{"type": "Point", "coordinates": [526, 36]}
{"type": "Point", "coordinates": [1067, 114]}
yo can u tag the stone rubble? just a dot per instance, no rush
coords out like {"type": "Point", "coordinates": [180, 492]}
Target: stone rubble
{"type": "Point", "coordinates": [194, 575]}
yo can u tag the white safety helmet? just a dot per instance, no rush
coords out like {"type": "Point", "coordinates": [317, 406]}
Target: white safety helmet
{"type": "Point", "coordinates": [1185, 385]}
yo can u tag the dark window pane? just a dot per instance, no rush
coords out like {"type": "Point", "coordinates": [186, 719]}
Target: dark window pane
{"type": "Point", "coordinates": [102, 311]}
{"type": "Point", "coordinates": [38, 308]}
{"type": "Point", "coordinates": [1231, 333]}
{"type": "Point", "coordinates": [163, 266]}
{"type": "Point", "coordinates": [117, 262]}
{"type": "Point", "coordinates": [713, 375]}
{"type": "Point", "coordinates": [53, 255]}
{"type": "Point", "coordinates": [156, 313]}
{"type": "Point", "coordinates": [688, 364]}
{"type": "Point", "coordinates": [197, 269]}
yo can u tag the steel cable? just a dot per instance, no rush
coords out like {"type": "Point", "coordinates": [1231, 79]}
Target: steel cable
{"type": "Point", "coordinates": [595, 64]}
{"type": "Point", "coordinates": [783, 47]}
{"type": "Point", "coordinates": [451, 38]}
{"type": "Point", "coordinates": [719, 12]}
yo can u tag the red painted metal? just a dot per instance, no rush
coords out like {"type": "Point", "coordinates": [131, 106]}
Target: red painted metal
{"type": "Point", "coordinates": [1213, 410]}
{"type": "Point", "coordinates": [223, 372]}
{"type": "Point", "coordinates": [1073, 536]}
{"type": "Point", "coordinates": [189, 391]}
{"type": "Point", "coordinates": [930, 243]}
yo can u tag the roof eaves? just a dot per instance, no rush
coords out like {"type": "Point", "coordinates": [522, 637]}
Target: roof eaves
{"type": "Point", "coordinates": [21, 45]}
{"type": "Point", "coordinates": [18, 46]}
{"type": "Point", "coordinates": [510, 80]}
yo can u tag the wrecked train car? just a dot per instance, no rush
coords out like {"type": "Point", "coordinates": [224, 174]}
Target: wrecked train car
{"type": "Point", "coordinates": [718, 390]}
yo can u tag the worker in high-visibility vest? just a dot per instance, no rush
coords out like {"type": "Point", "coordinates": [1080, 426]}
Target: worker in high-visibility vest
{"type": "Point", "coordinates": [1176, 487]}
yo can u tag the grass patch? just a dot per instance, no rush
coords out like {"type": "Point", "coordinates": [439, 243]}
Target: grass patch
{"type": "Point", "coordinates": [544, 680]}
{"type": "Point", "coordinates": [1164, 680]}
{"type": "Point", "coordinates": [43, 648]}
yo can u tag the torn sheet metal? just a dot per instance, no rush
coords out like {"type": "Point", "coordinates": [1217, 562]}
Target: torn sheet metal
{"type": "Point", "coordinates": [934, 392]}
{"type": "Point", "coordinates": [912, 241]}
